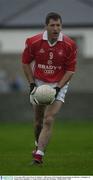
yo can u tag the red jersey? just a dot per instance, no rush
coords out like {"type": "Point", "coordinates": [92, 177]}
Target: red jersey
{"type": "Point", "coordinates": [51, 61]}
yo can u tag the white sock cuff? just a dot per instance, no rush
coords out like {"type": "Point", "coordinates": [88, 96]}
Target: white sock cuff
{"type": "Point", "coordinates": [40, 152]}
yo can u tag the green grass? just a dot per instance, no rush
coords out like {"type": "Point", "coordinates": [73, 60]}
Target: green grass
{"type": "Point", "coordinates": [70, 151]}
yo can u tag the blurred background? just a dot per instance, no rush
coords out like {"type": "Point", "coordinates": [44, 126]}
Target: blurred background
{"type": "Point", "coordinates": [22, 19]}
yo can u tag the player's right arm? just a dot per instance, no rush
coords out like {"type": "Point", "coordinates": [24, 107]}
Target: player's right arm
{"type": "Point", "coordinates": [27, 58]}
{"type": "Point", "coordinates": [28, 73]}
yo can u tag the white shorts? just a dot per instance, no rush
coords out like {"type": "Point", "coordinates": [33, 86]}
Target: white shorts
{"type": "Point", "coordinates": [62, 92]}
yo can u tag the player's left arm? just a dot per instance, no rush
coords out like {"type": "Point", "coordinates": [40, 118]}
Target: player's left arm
{"type": "Point", "coordinates": [70, 66]}
{"type": "Point", "coordinates": [66, 78]}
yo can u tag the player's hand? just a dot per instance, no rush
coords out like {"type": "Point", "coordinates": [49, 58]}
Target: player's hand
{"type": "Point", "coordinates": [32, 88]}
{"type": "Point", "coordinates": [32, 91]}
{"type": "Point", "coordinates": [57, 90]}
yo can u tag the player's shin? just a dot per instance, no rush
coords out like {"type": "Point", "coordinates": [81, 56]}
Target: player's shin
{"type": "Point", "coordinates": [38, 128]}
{"type": "Point", "coordinates": [37, 131]}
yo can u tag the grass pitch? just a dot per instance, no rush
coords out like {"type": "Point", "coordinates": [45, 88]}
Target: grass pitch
{"type": "Point", "coordinates": [70, 151]}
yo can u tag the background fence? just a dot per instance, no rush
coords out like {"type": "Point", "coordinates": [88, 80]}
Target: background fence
{"type": "Point", "coordinates": [16, 107]}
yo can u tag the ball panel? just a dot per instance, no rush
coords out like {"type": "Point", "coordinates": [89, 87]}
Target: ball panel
{"type": "Point", "coordinates": [45, 94]}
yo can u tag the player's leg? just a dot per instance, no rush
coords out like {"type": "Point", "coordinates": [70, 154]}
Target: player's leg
{"type": "Point", "coordinates": [38, 121]}
{"type": "Point", "coordinates": [46, 131]}
{"type": "Point", "coordinates": [49, 118]}
{"type": "Point", "coordinates": [48, 121]}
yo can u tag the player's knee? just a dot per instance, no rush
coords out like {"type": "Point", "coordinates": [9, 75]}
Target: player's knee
{"type": "Point", "coordinates": [48, 120]}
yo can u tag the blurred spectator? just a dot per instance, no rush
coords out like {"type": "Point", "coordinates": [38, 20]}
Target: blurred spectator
{"type": "Point", "coordinates": [12, 84]}
{"type": "Point", "coordinates": [17, 83]}
{"type": "Point", "coordinates": [4, 83]}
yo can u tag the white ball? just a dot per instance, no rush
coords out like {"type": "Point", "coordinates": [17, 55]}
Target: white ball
{"type": "Point", "coordinates": [45, 94]}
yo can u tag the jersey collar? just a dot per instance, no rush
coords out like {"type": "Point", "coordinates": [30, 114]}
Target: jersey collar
{"type": "Point", "coordinates": [45, 36]}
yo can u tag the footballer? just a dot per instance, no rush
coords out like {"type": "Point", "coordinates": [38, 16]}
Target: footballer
{"type": "Point", "coordinates": [48, 58]}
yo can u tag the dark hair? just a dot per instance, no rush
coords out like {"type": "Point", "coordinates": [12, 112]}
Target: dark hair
{"type": "Point", "coordinates": [54, 16]}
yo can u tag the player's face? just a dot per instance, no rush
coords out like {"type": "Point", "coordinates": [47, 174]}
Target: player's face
{"type": "Point", "coordinates": [53, 28]}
